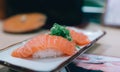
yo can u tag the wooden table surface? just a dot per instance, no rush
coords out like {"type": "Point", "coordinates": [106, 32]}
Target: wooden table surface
{"type": "Point", "coordinates": [108, 45]}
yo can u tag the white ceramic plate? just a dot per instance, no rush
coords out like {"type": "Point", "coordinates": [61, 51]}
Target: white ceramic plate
{"type": "Point", "coordinates": [48, 64]}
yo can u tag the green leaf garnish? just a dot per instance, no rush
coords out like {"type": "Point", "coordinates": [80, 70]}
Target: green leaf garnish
{"type": "Point", "coordinates": [77, 46]}
{"type": "Point", "coordinates": [59, 30]}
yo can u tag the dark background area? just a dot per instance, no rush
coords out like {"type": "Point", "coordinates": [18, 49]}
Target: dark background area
{"type": "Point", "coordinates": [66, 12]}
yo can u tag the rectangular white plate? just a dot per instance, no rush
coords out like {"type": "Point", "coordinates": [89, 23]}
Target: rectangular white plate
{"type": "Point", "coordinates": [48, 64]}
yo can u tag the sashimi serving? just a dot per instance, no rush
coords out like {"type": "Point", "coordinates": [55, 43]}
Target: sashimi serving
{"type": "Point", "coordinates": [60, 41]}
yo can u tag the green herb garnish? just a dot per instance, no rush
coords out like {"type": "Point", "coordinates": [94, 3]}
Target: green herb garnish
{"type": "Point", "coordinates": [59, 30]}
{"type": "Point", "coordinates": [77, 46]}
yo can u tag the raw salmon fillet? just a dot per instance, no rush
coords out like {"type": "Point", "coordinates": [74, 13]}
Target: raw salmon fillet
{"type": "Point", "coordinates": [79, 38]}
{"type": "Point", "coordinates": [44, 42]}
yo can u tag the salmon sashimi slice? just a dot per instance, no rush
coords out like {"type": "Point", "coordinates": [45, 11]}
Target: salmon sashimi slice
{"type": "Point", "coordinates": [79, 38]}
{"type": "Point", "coordinates": [43, 43]}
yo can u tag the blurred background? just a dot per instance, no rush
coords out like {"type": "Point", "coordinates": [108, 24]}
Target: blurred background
{"type": "Point", "coordinates": [92, 9]}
